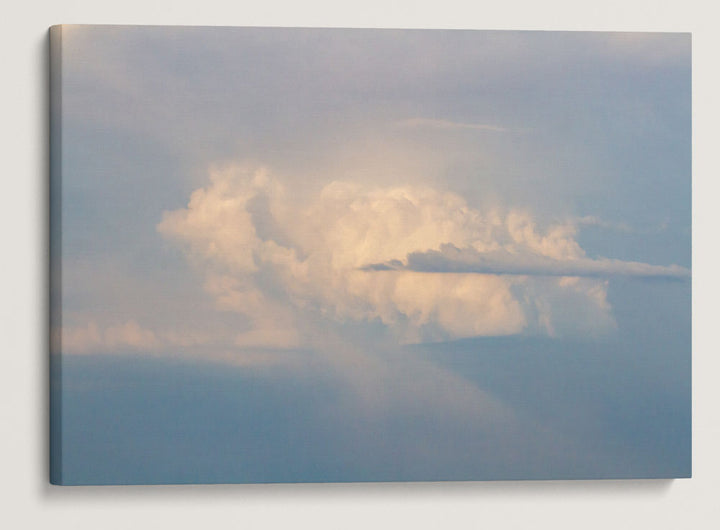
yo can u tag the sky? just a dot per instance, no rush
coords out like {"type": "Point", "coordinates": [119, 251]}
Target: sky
{"type": "Point", "coordinates": [369, 255]}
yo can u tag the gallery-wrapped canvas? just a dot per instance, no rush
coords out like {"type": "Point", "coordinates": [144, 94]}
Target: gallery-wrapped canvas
{"type": "Point", "coordinates": [345, 255]}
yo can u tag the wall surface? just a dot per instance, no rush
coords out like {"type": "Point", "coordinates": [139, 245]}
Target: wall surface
{"type": "Point", "coordinates": [30, 502]}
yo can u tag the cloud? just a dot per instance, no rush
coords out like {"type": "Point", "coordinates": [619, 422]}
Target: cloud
{"type": "Point", "coordinates": [592, 220]}
{"type": "Point", "coordinates": [288, 266]}
{"type": "Point", "coordinates": [448, 124]}
{"type": "Point", "coordinates": [450, 259]}
{"type": "Point", "coordinates": [93, 338]}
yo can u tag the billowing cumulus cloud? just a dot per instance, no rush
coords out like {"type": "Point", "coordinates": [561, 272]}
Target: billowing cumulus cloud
{"type": "Point", "coordinates": [284, 264]}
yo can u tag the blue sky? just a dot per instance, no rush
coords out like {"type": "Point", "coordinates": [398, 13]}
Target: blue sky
{"type": "Point", "coordinates": [227, 192]}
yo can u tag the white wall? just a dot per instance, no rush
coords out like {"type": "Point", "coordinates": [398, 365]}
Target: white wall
{"type": "Point", "coordinates": [26, 499]}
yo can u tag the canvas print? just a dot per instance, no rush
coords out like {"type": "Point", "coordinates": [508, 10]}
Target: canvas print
{"type": "Point", "coordinates": [352, 255]}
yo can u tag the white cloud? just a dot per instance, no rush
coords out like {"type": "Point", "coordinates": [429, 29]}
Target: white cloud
{"type": "Point", "coordinates": [287, 266]}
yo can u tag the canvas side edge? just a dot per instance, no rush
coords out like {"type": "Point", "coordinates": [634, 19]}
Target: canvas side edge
{"type": "Point", "coordinates": [55, 253]}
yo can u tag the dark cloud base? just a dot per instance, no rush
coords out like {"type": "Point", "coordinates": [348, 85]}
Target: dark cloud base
{"type": "Point", "coordinates": [450, 259]}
